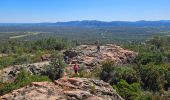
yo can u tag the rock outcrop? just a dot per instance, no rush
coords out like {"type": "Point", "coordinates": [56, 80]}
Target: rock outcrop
{"type": "Point", "coordinates": [89, 56]}
{"type": "Point", "coordinates": [8, 74]}
{"type": "Point", "coordinates": [3, 55]}
{"type": "Point", "coordinates": [65, 89]}
{"type": "Point", "coordinates": [86, 55]}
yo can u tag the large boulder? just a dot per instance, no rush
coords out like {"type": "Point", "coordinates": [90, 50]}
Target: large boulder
{"type": "Point", "coordinates": [65, 89]}
{"type": "Point", "coordinates": [9, 74]}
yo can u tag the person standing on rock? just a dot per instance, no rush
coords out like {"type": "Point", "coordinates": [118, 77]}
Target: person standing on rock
{"type": "Point", "coordinates": [98, 45]}
{"type": "Point", "coordinates": [75, 68]}
{"type": "Point", "coordinates": [98, 48]}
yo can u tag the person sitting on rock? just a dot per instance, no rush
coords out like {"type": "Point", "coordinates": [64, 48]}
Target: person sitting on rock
{"type": "Point", "coordinates": [75, 68]}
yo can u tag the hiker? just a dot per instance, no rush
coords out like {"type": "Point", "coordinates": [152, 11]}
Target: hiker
{"type": "Point", "coordinates": [98, 48]}
{"type": "Point", "coordinates": [66, 59]}
{"type": "Point", "coordinates": [76, 67]}
{"type": "Point", "coordinates": [98, 45]}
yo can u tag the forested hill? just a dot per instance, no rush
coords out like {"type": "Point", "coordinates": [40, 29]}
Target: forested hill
{"type": "Point", "coordinates": [95, 23]}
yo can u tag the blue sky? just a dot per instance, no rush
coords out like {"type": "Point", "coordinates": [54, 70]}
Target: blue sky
{"type": "Point", "coordinates": [67, 10]}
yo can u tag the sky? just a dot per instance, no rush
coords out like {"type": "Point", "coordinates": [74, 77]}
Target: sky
{"type": "Point", "coordinates": [33, 11]}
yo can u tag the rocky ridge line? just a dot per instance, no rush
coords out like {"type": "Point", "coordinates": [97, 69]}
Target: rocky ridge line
{"type": "Point", "coordinates": [65, 89]}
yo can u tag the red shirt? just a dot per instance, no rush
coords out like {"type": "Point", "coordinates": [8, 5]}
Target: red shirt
{"type": "Point", "coordinates": [75, 67]}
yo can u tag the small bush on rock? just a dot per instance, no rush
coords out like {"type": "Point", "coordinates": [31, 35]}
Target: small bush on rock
{"type": "Point", "coordinates": [56, 69]}
{"type": "Point", "coordinates": [24, 78]}
{"type": "Point", "coordinates": [107, 69]}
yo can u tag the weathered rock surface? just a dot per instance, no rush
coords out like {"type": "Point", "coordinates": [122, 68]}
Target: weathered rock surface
{"type": "Point", "coordinates": [3, 55]}
{"type": "Point", "coordinates": [8, 74]}
{"type": "Point", "coordinates": [65, 89]}
{"type": "Point", "coordinates": [89, 57]}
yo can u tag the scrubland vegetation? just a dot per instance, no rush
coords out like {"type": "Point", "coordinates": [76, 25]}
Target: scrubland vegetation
{"type": "Point", "coordinates": [20, 52]}
{"type": "Point", "coordinates": [148, 78]}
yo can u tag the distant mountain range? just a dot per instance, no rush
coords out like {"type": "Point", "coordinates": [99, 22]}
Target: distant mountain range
{"type": "Point", "coordinates": [95, 23]}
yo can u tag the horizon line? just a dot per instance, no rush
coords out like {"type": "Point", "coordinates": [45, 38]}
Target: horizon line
{"type": "Point", "coordinates": [81, 21]}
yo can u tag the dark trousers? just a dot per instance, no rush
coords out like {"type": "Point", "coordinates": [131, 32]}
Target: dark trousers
{"type": "Point", "coordinates": [75, 71]}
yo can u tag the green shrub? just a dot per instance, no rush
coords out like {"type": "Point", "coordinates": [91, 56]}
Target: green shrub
{"type": "Point", "coordinates": [146, 95]}
{"type": "Point", "coordinates": [107, 68]}
{"type": "Point", "coordinates": [113, 74]}
{"type": "Point", "coordinates": [128, 91]}
{"type": "Point", "coordinates": [167, 78]}
{"type": "Point", "coordinates": [152, 77]}
{"type": "Point", "coordinates": [52, 44]}
{"type": "Point", "coordinates": [147, 57]}
{"type": "Point", "coordinates": [125, 72]}
{"type": "Point", "coordinates": [21, 60]}
{"type": "Point", "coordinates": [93, 89]}
{"type": "Point", "coordinates": [56, 69]}
{"type": "Point", "coordinates": [6, 61]}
